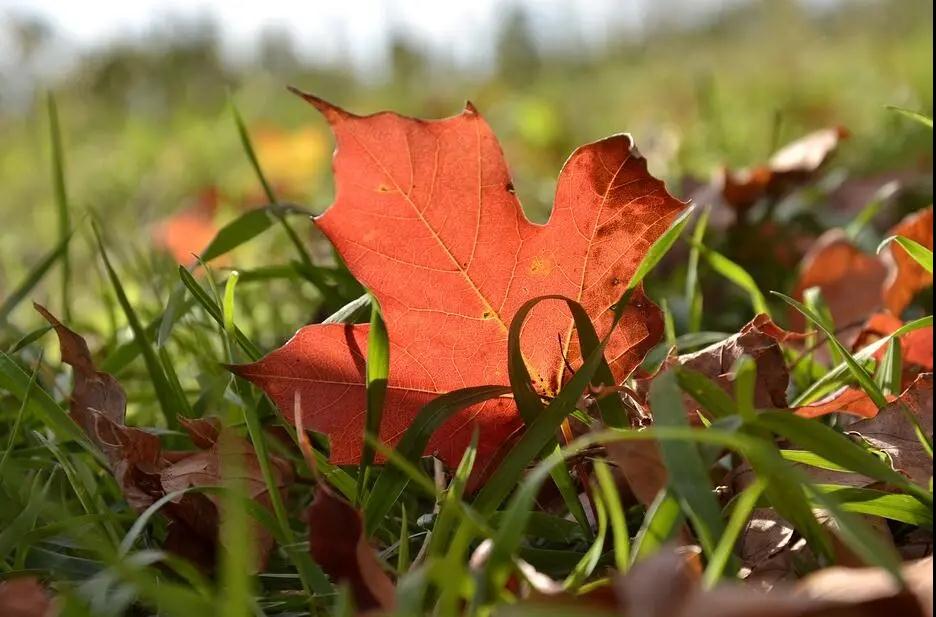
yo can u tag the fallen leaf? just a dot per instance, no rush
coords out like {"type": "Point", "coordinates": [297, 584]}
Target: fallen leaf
{"type": "Point", "coordinates": [146, 472]}
{"type": "Point", "coordinates": [908, 277]}
{"type": "Point", "coordinates": [338, 545]}
{"type": "Point", "coordinates": [660, 585]}
{"type": "Point", "coordinates": [759, 340]}
{"type": "Point", "coordinates": [187, 232]}
{"type": "Point", "coordinates": [875, 588]}
{"type": "Point", "coordinates": [790, 166]}
{"type": "Point", "coordinates": [641, 464]}
{"type": "Point", "coordinates": [916, 347]}
{"type": "Point", "coordinates": [766, 549]}
{"type": "Point", "coordinates": [25, 596]}
{"type": "Point", "coordinates": [426, 218]}
{"type": "Point", "coordinates": [93, 392]}
{"type": "Point", "coordinates": [848, 399]}
{"type": "Point", "coordinates": [850, 281]}
{"type": "Point", "coordinates": [891, 430]}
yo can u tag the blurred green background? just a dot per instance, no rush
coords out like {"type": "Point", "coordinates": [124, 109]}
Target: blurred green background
{"type": "Point", "coordinates": [147, 128]}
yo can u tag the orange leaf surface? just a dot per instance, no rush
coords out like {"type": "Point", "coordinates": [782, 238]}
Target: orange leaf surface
{"type": "Point", "coordinates": [908, 276]}
{"type": "Point", "coordinates": [850, 280]}
{"type": "Point", "coordinates": [187, 232]}
{"type": "Point", "coordinates": [426, 218]}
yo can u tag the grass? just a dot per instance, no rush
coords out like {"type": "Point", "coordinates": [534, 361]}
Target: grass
{"type": "Point", "coordinates": [166, 333]}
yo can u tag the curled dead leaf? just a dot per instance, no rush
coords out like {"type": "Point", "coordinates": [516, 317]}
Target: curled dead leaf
{"type": "Point", "coordinates": [338, 544]}
{"type": "Point", "coordinates": [146, 472]}
{"type": "Point", "coordinates": [792, 165]}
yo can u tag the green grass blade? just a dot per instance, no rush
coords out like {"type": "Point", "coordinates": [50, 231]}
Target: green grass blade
{"type": "Point", "coordinates": [858, 535]}
{"type": "Point", "coordinates": [736, 274]}
{"type": "Point", "coordinates": [821, 385]}
{"type": "Point", "coordinates": [214, 311]}
{"type": "Point", "coordinates": [913, 115]}
{"type": "Point", "coordinates": [688, 473]}
{"type": "Point", "coordinates": [168, 401]}
{"type": "Point", "coordinates": [743, 507]}
{"type": "Point", "coordinates": [14, 432]}
{"type": "Point", "coordinates": [902, 508]}
{"type": "Point", "coordinates": [858, 372]}
{"type": "Point", "coordinates": [61, 202]}
{"type": "Point", "coordinates": [377, 370]}
{"type": "Point", "coordinates": [452, 501]}
{"type": "Point", "coordinates": [837, 448]}
{"type": "Point", "coordinates": [16, 381]}
{"type": "Point", "coordinates": [33, 278]}
{"type": "Point", "coordinates": [244, 228]}
{"type": "Point", "coordinates": [660, 248]}
{"type": "Point", "coordinates": [612, 501]}
{"type": "Point", "coordinates": [889, 375]}
{"type": "Point", "coordinates": [693, 289]}
{"type": "Point", "coordinates": [584, 568]}
{"type": "Point", "coordinates": [391, 481]}
{"type": "Point", "coordinates": [914, 249]}
{"type": "Point", "coordinates": [661, 523]}
{"type": "Point", "coordinates": [267, 187]}
{"type": "Point", "coordinates": [706, 392]}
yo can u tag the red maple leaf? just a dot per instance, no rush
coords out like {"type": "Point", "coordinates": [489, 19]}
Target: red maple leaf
{"type": "Point", "coordinates": [425, 216]}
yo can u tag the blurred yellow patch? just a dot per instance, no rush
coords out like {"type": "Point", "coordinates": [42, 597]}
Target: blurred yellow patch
{"type": "Point", "coordinates": [290, 159]}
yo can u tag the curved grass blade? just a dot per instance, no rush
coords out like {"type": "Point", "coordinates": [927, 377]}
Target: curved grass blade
{"type": "Point", "coordinates": [838, 449]}
{"type": "Point", "coordinates": [267, 187]}
{"type": "Point", "coordinates": [736, 274]}
{"type": "Point", "coordinates": [914, 249]}
{"type": "Point", "coordinates": [896, 507]}
{"type": "Point", "coordinates": [169, 403]}
{"type": "Point", "coordinates": [693, 290]}
{"type": "Point", "coordinates": [663, 519]}
{"type": "Point", "coordinates": [834, 374]}
{"type": "Point", "coordinates": [391, 482]}
{"type": "Point", "coordinates": [858, 372]}
{"type": "Point", "coordinates": [913, 115]}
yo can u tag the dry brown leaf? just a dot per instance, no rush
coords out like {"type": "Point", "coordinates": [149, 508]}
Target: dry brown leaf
{"type": "Point", "coordinates": [339, 546]}
{"type": "Point", "coordinates": [660, 586]}
{"type": "Point", "coordinates": [145, 472]}
{"type": "Point", "coordinates": [641, 465]}
{"type": "Point", "coordinates": [875, 589]}
{"type": "Point", "coordinates": [759, 340]}
{"type": "Point", "coordinates": [892, 432]}
{"type": "Point", "coordinates": [792, 165]}
{"type": "Point", "coordinates": [767, 550]}
{"type": "Point", "coordinates": [908, 277]}
{"type": "Point", "coordinates": [25, 597]}
{"type": "Point", "coordinates": [93, 391]}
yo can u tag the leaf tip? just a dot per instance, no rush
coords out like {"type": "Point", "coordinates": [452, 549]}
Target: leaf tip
{"type": "Point", "coordinates": [332, 113]}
